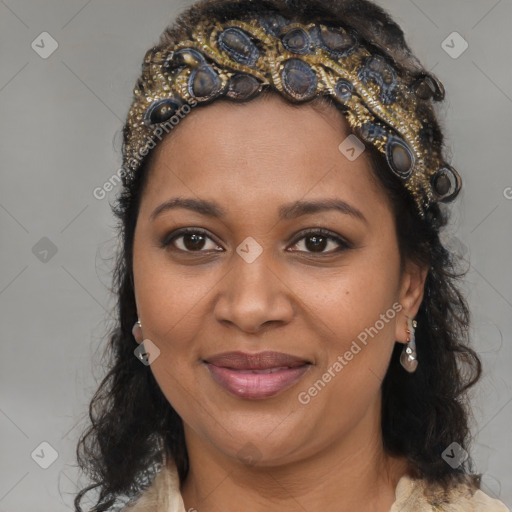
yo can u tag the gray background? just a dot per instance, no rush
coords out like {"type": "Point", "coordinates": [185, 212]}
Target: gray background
{"type": "Point", "coordinates": [58, 125]}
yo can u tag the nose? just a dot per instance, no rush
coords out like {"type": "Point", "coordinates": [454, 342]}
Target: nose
{"type": "Point", "coordinates": [253, 296]}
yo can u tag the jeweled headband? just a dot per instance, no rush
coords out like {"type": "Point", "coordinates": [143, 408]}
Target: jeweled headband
{"type": "Point", "coordinates": [236, 59]}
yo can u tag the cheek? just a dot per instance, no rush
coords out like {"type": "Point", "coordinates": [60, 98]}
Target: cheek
{"type": "Point", "coordinates": [343, 302]}
{"type": "Point", "coordinates": [353, 313]}
{"type": "Point", "coordinates": [354, 350]}
{"type": "Point", "coordinates": [170, 299]}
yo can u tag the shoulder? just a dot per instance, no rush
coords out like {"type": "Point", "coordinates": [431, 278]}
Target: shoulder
{"type": "Point", "coordinates": [415, 495]}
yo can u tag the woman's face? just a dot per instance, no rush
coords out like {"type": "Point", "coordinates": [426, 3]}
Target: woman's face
{"type": "Point", "coordinates": [256, 275]}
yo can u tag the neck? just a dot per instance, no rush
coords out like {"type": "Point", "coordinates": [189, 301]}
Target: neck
{"type": "Point", "coordinates": [350, 473]}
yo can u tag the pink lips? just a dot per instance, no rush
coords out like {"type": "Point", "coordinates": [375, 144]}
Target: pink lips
{"type": "Point", "coordinates": [256, 375]}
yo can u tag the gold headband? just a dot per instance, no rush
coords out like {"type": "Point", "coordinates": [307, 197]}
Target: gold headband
{"type": "Point", "coordinates": [237, 58]}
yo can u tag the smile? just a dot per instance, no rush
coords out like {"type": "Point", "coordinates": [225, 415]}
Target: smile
{"type": "Point", "coordinates": [255, 384]}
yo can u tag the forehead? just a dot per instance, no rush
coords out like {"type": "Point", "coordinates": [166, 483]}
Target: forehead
{"type": "Point", "coordinates": [262, 150]}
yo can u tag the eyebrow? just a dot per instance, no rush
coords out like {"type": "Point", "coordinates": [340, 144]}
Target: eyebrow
{"type": "Point", "coordinates": [286, 212]}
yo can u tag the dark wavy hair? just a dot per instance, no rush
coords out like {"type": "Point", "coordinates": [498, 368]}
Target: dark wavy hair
{"type": "Point", "coordinates": [132, 423]}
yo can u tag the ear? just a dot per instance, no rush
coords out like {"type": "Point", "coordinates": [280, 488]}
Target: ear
{"type": "Point", "coordinates": [412, 288]}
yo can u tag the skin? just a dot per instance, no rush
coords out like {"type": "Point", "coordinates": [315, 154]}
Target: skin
{"type": "Point", "coordinates": [251, 158]}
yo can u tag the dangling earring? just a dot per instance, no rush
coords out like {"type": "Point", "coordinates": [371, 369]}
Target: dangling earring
{"type": "Point", "coordinates": [137, 331]}
{"type": "Point", "coordinates": [408, 358]}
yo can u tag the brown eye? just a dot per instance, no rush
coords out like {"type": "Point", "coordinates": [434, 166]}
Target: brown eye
{"type": "Point", "coordinates": [193, 241]}
{"type": "Point", "coordinates": [190, 240]}
{"type": "Point", "coordinates": [317, 241]}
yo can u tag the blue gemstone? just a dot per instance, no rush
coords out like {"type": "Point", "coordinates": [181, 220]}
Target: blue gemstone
{"type": "Point", "coordinates": [299, 80]}
{"type": "Point", "coordinates": [343, 89]}
{"type": "Point", "coordinates": [243, 87]}
{"type": "Point", "coordinates": [446, 183]}
{"type": "Point", "coordinates": [399, 156]}
{"type": "Point", "coordinates": [239, 46]}
{"type": "Point", "coordinates": [296, 40]}
{"type": "Point", "coordinates": [337, 41]}
{"type": "Point", "coordinates": [204, 83]}
{"type": "Point", "coordinates": [162, 110]}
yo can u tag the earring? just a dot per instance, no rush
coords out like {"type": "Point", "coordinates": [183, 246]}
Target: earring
{"type": "Point", "coordinates": [137, 331]}
{"type": "Point", "coordinates": [408, 358]}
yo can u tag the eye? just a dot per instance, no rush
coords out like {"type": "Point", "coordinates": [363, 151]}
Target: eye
{"type": "Point", "coordinates": [196, 240]}
{"type": "Point", "coordinates": [190, 240]}
{"type": "Point", "coordinates": [317, 240]}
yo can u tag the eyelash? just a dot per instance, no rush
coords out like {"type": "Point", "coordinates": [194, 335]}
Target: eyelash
{"type": "Point", "coordinates": [166, 242]}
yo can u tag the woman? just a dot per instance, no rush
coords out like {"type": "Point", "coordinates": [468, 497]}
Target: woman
{"type": "Point", "coordinates": [291, 336]}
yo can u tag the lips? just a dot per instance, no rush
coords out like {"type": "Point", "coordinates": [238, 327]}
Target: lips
{"type": "Point", "coordinates": [256, 376]}
{"type": "Point", "coordinates": [259, 361]}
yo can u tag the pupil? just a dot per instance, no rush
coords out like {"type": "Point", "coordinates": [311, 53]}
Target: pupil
{"type": "Point", "coordinates": [196, 238]}
{"type": "Point", "coordinates": [316, 244]}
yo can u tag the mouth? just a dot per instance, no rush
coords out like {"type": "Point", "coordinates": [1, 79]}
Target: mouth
{"type": "Point", "coordinates": [256, 376]}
